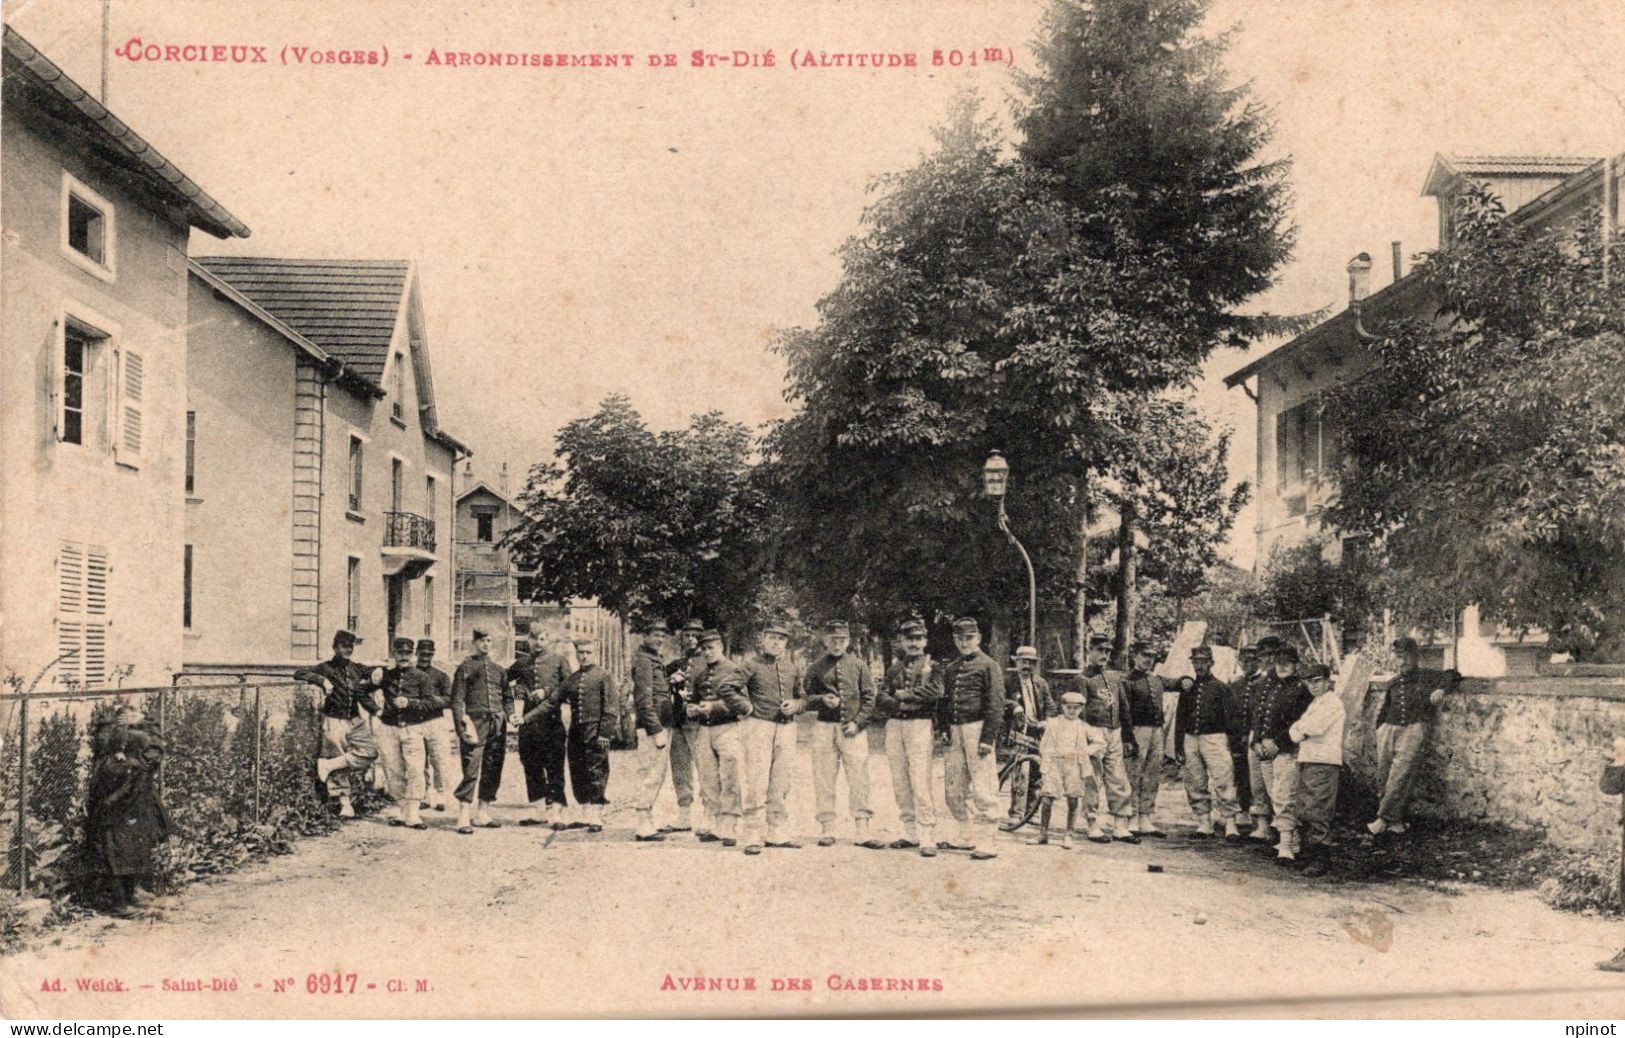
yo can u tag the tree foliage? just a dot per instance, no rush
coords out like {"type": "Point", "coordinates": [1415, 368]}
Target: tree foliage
{"type": "Point", "coordinates": [1485, 449]}
{"type": "Point", "coordinates": [669, 522]}
{"type": "Point", "coordinates": [1030, 304]}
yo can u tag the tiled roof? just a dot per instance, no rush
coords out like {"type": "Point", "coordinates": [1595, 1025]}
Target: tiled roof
{"type": "Point", "coordinates": [57, 94]}
{"type": "Point", "coordinates": [1519, 165]}
{"type": "Point", "coordinates": [347, 307]}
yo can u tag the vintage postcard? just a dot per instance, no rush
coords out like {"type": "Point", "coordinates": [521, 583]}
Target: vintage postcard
{"type": "Point", "coordinates": [907, 508]}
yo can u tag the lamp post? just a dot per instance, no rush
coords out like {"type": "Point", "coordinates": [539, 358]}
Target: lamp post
{"type": "Point", "coordinates": [995, 481]}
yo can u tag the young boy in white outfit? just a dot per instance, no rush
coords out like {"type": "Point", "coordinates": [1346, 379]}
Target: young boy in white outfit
{"type": "Point", "coordinates": [1064, 752]}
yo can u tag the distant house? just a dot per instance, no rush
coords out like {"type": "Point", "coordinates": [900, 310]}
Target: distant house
{"type": "Point", "coordinates": [1297, 448]}
{"type": "Point", "coordinates": [318, 479]}
{"type": "Point", "coordinates": [96, 225]}
{"type": "Point", "coordinates": [496, 595]}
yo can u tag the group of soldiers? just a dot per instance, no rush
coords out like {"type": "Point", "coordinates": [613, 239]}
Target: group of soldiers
{"type": "Point", "coordinates": [1259, 756]}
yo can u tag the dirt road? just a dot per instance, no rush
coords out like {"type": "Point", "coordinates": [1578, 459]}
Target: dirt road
{"type": "Point", "coordinates": [518, 921]}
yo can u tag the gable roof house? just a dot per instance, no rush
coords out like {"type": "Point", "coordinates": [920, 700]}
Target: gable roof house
{"type": "Point", "coordinates": [93, 357]}
{"type": "Point", "coordinates": [320, 477]}
{"type": "Point", "coordinates": [1296, 449]}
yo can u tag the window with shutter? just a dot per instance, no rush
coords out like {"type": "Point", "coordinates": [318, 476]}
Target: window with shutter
{"type": "Point", "coordinates": [131, 388]}
{"type": "Point", "coordinates": [81, 626]}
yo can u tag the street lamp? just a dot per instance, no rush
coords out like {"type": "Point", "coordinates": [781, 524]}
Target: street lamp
{"type": "Point", "coordinates": [995, 481]}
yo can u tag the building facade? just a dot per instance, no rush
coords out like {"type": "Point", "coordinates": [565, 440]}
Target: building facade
{"type": "Point", "coordinates": [1297, 449]}
{"type": "Point", "coordinates": [319, 483]}
{"type": "Point", "coordinates": [94, 359]}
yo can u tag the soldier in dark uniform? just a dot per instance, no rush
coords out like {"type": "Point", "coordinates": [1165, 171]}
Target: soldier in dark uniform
{"type": "Point", "coordinates": [1281, 702]}
{"type": "Point", "coordinates": [908, 702]}
{"type": "Point", "coordinates": [841, 692]}
{"type": "Point", "coordinates": [439, 743]}
{"type": "Point", "coordinates": [409, 704]}
{"type": "Point", "coordinates": [1108, 710]}
{"type": "Point", "coordinates": [716, 703]}
{"type": "Point", "coordinates": [1144, 691]}
{"type": "Point", "coordinates": [542, 738]}
{"type": "Point", "coordinates": [1408, 707]}
{"type": "Point", "coordinates": [973, 707]}
{"type": "Point", "coordinates": [347, 742]}
{"type": "Point", "coordinates": [773, 682]}
{"type": "Point", "coordinates": [1238, 707]}
{"type": "Point", "coordinates": [652, 705]}
{"type": "Point", "coordinates": [679, 675]}
{"type": "Point", "coordinates": [595, 712]}
{"type": "Point", "coordinates": [1260, 687]}
{"type": "Point", "coordinates": [481, 700]}
{"type": "Point", "coordinates": [1202, 730]}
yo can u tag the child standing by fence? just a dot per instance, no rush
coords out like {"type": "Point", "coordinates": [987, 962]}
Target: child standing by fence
{"type": "Point", "coordinates": [124, 820]}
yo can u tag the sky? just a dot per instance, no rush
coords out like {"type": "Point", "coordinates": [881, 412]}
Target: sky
{"type": "Point", "coordinates": [580, 232]}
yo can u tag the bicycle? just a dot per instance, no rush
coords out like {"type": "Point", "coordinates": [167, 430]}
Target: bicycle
{"type": "Point", "coordinates": [1019, 775]}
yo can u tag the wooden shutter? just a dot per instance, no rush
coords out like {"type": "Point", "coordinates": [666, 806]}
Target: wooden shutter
{"type": "Point", "coordinates": [1286, 448]}
{"type": "Point", "coordinates": [131, 418]}
{"type": "Point", "coordinates": [81, 608]}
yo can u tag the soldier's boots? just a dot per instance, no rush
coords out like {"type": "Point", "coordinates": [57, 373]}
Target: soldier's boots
{"type": "Point", "coordinates": [346, 808]}
{"type": "Point", "coordinates": [1231, 833]}
{"type": "Point", "coordinates": [411, 817]}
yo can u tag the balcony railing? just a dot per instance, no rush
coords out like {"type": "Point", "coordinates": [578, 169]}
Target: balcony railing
{"type": "Point", "coordinates": [407, 530]}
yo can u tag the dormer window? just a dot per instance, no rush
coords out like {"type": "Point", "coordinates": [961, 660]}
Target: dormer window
{"type": "Point", "coordinates": [89, 226]}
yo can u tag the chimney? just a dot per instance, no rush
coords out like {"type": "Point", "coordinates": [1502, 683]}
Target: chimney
{"type": "Point", "coordinates": [1399, 265]}
{"type": "Point", "coordinates": [502, 480]}
{"type": "Point", "coordinates": [1359, 278]}
{"type": "Point", "coordinates": [468, 471]}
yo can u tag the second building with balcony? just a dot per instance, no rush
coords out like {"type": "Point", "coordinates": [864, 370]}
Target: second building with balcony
{"type": "Point", "coordinates": [318, 479]}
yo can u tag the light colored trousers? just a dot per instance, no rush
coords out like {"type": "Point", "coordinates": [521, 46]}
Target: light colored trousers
{"type": "Point", "coordinates": [351, 740]}
{"type": "Point", "coordinates": [967, 771]}
{"type": "Point", "coordinates": [1110, 774]}
{"type": "Point", "coordinates": [1262, 806]}
{"type": "Point", "coordinates": [908, 751]}
{"type": "Point", "coordinates": [768, 749]}
{"type": "Point", "coordinates": [401, 750]}
{"type": "Point", "coordinates": [652, 765]}
{"type": "Point", "coordinates": [1210, 776]}
{"type": "Point", "coordinates": [832, 752]}
{"type": "Point", "coordinates": [1400, 749]}
{"type": "Point", "coordinates": [719, 760]}
{"type": "Point", "coordinates": [440, 746]}
{"type": "Point", "coordinates": [1281, 778]}
{"type": "Point", "coordinates": [1170, 711]}
{"type": "Point", "coordinates": [1145, 771]}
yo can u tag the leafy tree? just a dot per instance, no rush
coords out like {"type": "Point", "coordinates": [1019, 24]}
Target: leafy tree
{"type": "Point", "coordinates": [669, 522]}
{"type": "Point", "coordinates": [1025, 304]}
{"type": "Point", "coordinates": [1482, 450]}
{"type": "Point", "coordinates": [1301, 582]}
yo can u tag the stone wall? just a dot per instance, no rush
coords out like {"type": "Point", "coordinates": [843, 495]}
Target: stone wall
{"type": "Point", "coordinates": [1524, 751]}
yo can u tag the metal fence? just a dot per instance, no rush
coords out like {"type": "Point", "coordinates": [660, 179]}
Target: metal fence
{"type": "Point", "coordinates": [236, 777]}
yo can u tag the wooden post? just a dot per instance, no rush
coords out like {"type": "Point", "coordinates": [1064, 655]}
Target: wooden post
{"type": "Point", "coordinates": [257, 726]}
{"type": "Point", "coordinates": [22, 800]}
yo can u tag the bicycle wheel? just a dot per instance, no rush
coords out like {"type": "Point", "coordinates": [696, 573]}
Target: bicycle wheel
{"type": "Point", "coordinates": [1019, 781]}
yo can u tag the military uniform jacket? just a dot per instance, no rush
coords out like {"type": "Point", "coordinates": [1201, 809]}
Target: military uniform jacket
{"type": "Point", "coordinates": [591, 694]}
{"type": "Point", "coordinates": [1203, 710]}
{"type": "Point", "coordinates": [651, 691]}
{"type": "Point", "coordinates": [1144, 692]}
{"type": "Point", "coordinates": [423, 699]}
{"type": "Point", "coordinates": [845, 676]}
{"type": "Point", "coordinates": [442, 685]}
{"type": "Point", "coordinates": [719, 690]}
{"type": "Point", "coordinates": [352, 687]}
{"type": "Point", "coordinates": [1106, 700]}
{"type": "Point", "coordinates": [1238, 708]}
{"type": "Point", "coordinates": [770, 681]}
{"type": "Point", "coordinates": [910, 690]}
{"type": "Point", "coordinates": [680, 675]}
{"type": "Point", "coordinates": [1281, 702]}
{"type": "Point", "coordinates": [480, 689]}
{"type": "Point", "coordinates": [973, 690]}
{"type": "Point", "coordinates": [1408, 699]}
{"type": "Point", "coordinates": [533, 680]}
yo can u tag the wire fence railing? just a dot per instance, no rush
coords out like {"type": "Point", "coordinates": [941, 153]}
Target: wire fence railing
{"type": "Point", "coordinates": [235, 779]}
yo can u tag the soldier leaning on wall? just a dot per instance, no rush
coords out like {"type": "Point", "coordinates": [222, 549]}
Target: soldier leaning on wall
{"type": "Point", "coordinates": [1613, 783]}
